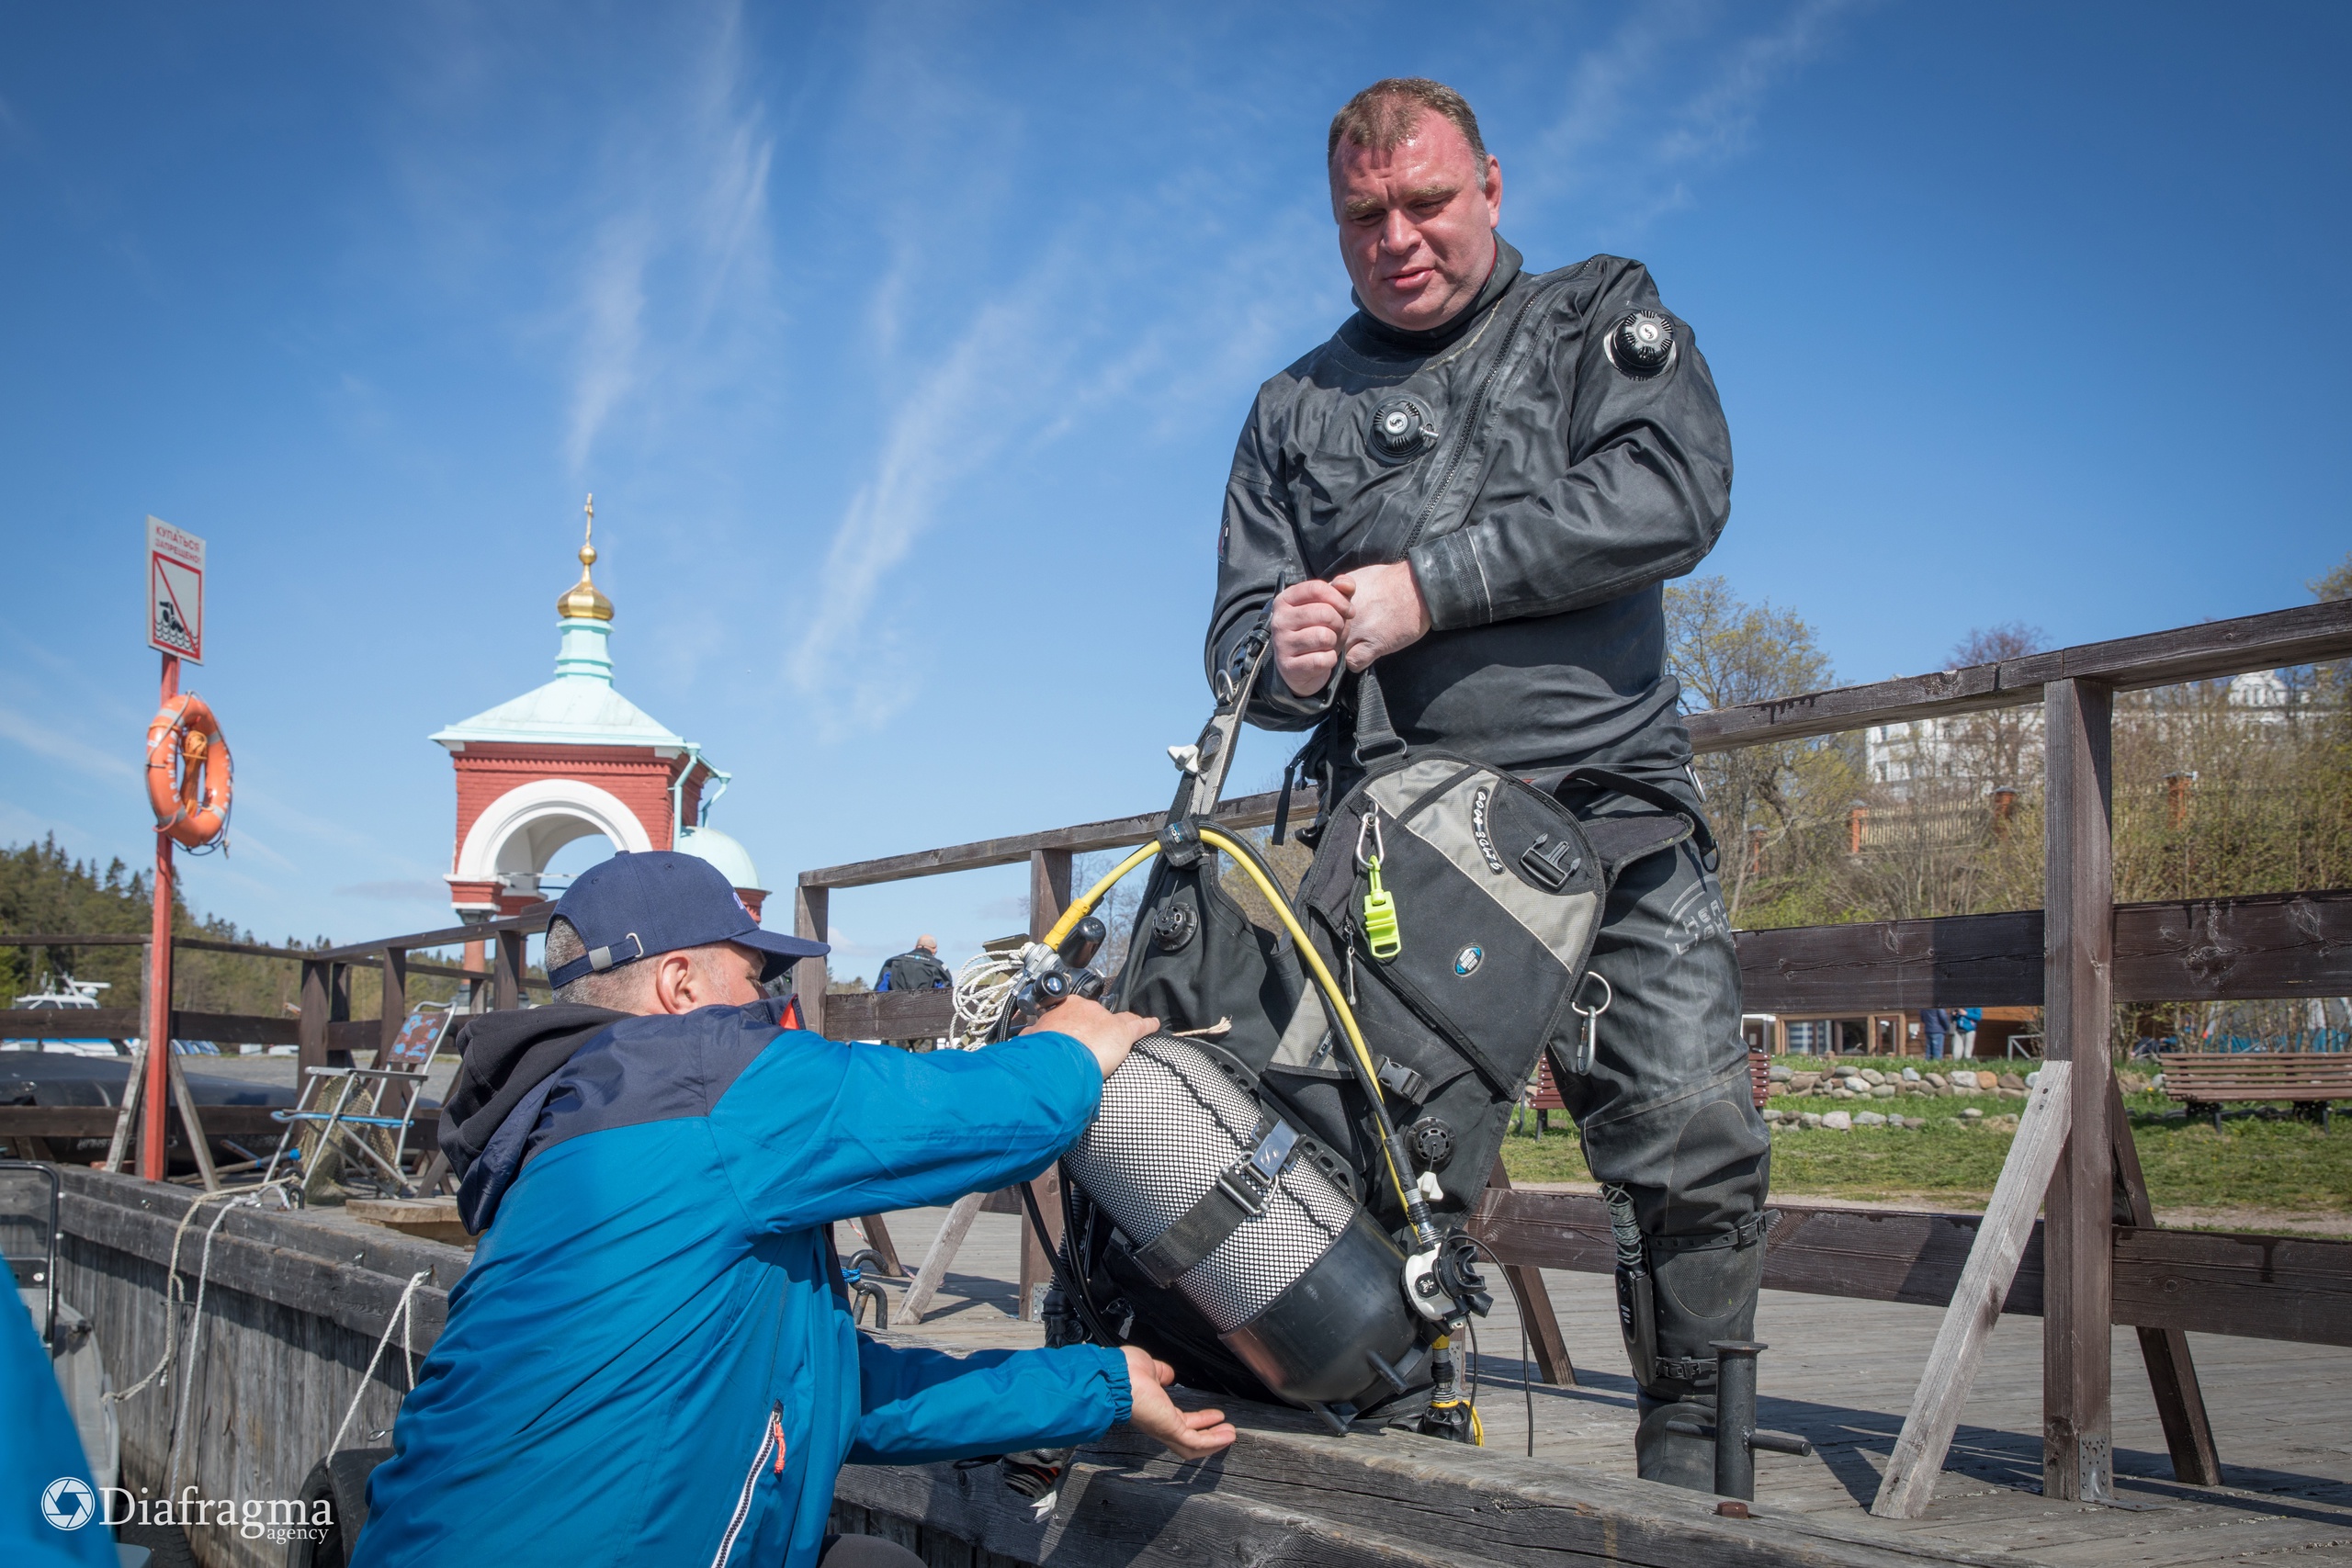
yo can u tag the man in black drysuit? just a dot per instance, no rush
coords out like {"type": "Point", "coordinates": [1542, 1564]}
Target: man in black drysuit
{"type": "Point", "coordinates": [1482, 480]}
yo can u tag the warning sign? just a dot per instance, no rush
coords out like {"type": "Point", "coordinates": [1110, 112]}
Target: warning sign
{"type": "Point", "coordinates": [175, 590]}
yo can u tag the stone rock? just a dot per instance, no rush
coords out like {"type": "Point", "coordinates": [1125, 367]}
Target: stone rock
{"type": "Point", "coordinates": [1869, 1118]}
{"type": "Point", "coordinates": [1963, 1078]}
{"type": "Point", "coordinates": [2034, 1077]}
{"type": "Point", "coordinates": [1873, 1077]}
{"type": "Point", "coordinates": [1771, 1114]}
{"type": "Point", "coordinates": [1811, 1118]}
{"type": "Point", "coordinates": [1910, 1075]}
{"type": "Point", "coordinates": [2010, 1080]}
{"type": "Point", "coordinates": [1939, 1080]}
{"type": "Point", "coordinates": [1972, 1114]}
{"type": "Point", "coordinates": [1884, 1092]}
{"type": "Point", "coordinates": [2007, 1093]}
{"type": "Point", "coordinates": [1778, 1074]}
{"type": "Point", "coordinates": [1838, 1122]}
{"type": "Point", "coordinates": [1842, 1093]}
{"type": "Point", "coordinates": [1800, 1083]}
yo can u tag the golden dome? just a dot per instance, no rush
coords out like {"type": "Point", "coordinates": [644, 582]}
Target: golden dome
{"type": "Point", "coordinates": [583, 600]}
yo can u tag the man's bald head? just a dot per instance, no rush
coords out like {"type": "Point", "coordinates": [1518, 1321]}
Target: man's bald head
{"type": "Point", "coordinates": [1416, 196]}
{"type": "Point", "coordinates": [929, 943]}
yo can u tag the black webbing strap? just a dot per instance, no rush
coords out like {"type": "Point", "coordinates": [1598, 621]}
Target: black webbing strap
{"type": "Point", "coordinates": [1666, 800]}
{"type": "Point", "coordinates": [1239, 1193]}
{"type": "Point", "coordinates": [1376, 737]}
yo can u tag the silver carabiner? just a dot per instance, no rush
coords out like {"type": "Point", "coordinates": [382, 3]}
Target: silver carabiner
{"type": "Point", "coordinates": [1580, 1059]}
{"type": "Point", "coordinates": [1368, 828]}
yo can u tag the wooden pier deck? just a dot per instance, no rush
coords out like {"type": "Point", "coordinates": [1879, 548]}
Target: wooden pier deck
{"type": "Point", "coordinates": [1841, 1374]}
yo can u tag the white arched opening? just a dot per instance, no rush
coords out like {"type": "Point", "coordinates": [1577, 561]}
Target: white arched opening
{"type": "Point", "coordinates": [517, 834]}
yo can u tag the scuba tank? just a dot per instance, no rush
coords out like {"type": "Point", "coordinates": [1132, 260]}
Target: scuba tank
{"type": "Point", "coordinates": [1219, 1198]}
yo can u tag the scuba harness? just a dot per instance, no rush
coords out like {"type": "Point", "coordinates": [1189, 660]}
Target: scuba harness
{"type": "Point", "coordinates": [1275, 1195]}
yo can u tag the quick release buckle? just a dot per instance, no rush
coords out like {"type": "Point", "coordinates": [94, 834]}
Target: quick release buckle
{"type": "Point", "coordinates": [1248, 1182]}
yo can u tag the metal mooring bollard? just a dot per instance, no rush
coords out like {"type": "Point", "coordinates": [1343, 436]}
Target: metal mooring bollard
{"type": "Point", "coordinates": [1736, 1438]}
{"type": "Point", "coordinates": [1736, 1418]}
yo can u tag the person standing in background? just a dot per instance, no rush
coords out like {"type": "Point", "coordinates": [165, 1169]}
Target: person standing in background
{"type": "Point", "coordinates": [1934, 1024]}
{"type": "Point", "coordinates": [917, 969]}
{"type": "Point", "coordinates": [1963, 1031]}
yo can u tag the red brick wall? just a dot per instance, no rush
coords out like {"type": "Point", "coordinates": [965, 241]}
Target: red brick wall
{"type": "Point", "coordinates": [632, 774]}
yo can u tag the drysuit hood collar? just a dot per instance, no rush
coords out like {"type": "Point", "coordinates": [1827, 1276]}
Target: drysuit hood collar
{"type": "Point", "coordinates": [1498, 284]}
{"type": "Point", "coordinates": [506, 1056]}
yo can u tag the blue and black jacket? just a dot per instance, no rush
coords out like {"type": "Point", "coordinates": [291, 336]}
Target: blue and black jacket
{"type": "Point", "coordinates": [648, 1362]}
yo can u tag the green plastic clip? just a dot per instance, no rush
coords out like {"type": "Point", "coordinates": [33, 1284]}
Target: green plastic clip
{"type": "Point", "coordinates": [1380, 916]}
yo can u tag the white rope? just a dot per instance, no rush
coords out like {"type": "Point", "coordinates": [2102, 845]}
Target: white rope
{"type": "Point", "coordinates": [196, 1331]}
{"type": "Point", "coordinates": [983, 987]}
{"type": "Point", "coordinates": [174, 1292]}
{"type": "Point", "coordinates": [401, 1316]}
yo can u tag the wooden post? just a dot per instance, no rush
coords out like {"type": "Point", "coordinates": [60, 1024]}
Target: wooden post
{"type": "Point", "coordinates": [933, 1269]}
{"type": "Point", "coordinates": [1544, 1336]}
{"type": "Point", "coordinates": [338, 1006]}
{"type": "Point", "coordinates": [513, 951]}
{"type": "Point", "coordinates": [311, 1030]}
{"type": "Point", "coordinates": [809, 976]}
{"type": "Point", "coordinates": [2172, 1375]}
{"type": "Point", "coordinates": [395, 1009]}
{"type": "Point", "coordinates": [1049, 873]}
{"type": "Point", "coordinates": [2078, 940]}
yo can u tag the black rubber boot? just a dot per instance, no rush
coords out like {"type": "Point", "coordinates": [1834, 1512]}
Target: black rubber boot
{"type": "Point", "coordinates": [1702, 1288]}
{"type": "Point", "coordinates": [1678, 1458]}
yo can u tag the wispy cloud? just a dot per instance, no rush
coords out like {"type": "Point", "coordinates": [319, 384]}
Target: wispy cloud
{"type": "Point", "coordinates": [679, 258]}
{"type": "Point", "coordinates": [59, 747]}
{"type": "Point", "coordinates": [1617, 134]}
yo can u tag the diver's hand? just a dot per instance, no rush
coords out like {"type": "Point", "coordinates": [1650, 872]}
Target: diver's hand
{"type": "Point", "coordinates": [1189, 1434]}
{"type": "Point", "coordinates": [1386, 611]}
{"type": "Point", "coordinates": [1310, 621]}
{"type": "Point", "coordinates": [1109, 1035]}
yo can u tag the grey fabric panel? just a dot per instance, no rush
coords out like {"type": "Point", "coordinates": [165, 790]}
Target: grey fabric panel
{"type": "Point", "coordinates": [1561, 921]}
{"type": "Point", "coordinates": [1303, 1035]}
{"type": "Point", "coordinates": [1398, 791]}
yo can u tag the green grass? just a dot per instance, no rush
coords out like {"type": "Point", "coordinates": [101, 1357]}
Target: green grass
{"type": "Point", "coordinates": [2253, 1163]}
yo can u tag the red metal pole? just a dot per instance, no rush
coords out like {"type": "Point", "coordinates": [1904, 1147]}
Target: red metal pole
{"type": "Point", "coordinates": [157, 1092]}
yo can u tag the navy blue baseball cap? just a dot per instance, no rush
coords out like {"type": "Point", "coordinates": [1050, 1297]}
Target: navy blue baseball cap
{"type": "Point", "coordinates": [634, 905]}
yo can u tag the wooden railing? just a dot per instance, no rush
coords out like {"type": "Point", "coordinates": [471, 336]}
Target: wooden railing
{"type": "Point", "coordinates": [2074, 957]}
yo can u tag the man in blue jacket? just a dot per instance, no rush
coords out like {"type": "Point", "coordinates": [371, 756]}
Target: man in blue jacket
{"type": "Point", "coordinates": [650, 1360]}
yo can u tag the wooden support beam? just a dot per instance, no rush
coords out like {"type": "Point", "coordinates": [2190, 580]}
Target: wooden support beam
{"type": "Point", "coordinates": [1049, 894]}
{"type": "Point", "coordinates": [1545, 1341]}
{"type": "Point", "coordinates": [2077, 1336]}
{"type": "Point", "coordinates": [1909, 1484]}
{"type": "Point", "coordinates": [395, 1009]}
{"type": "Point", "coordinates": [506, 980]}
{"type": "Point", "coordinates": [2172, 1373]}
{"type": "Point", "coordinates": [312, 1046]}
{"type": "Point", "coordinates": [944, 1248]}
{"type": "Point", "coordinates": [809, 975]}
{"type": "Point", "coordinates": [877, 1236]}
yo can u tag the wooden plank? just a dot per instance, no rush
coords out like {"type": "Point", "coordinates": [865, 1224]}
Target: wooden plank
{"type": "Point", "coordinates": [2304, 635]}
{"type": "Point", "coordinates": [310, 1027]}
{"type": "Point", "coordinates": [394, 1013]}
{"type": "Point", "coordinates": [888, 1015]}
{"type": "Point", "coordinates": [2263, 1287]}
{"type": "Point", "coordinates": [98, 1120]}
{"type": "Point", "coordinates": [1545, 1342]}
{"type": "Point", "coordinates": [1118, 833]}
{"type": "Point", "coordinates": [122, 1023]}
{"type": "Point", "coordinates": [934, 1264]}
{"type": "Point", "coordinates": [2077, 1335]}
{"type": "Point", "coordinates": [2256, 948]}
{"type": "Point", "coordinates": [1908, 1484]}
{"type": "Point", "coordinates": [811, 976]}
{"type": "Point", "coordinates": [1284, 1495]}
{"type": "Point", "coordinates": [524, 923]}
{"type": "Point", "coordinates": [2172, 1371]}
{"type": "Point", "coordinates": [199, 1145]}
{"type": "Point", "coordinates": [878, 1237]}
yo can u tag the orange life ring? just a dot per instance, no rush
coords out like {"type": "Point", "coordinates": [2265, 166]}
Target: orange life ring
{"type": "Point", "coordinates": [187, 763]}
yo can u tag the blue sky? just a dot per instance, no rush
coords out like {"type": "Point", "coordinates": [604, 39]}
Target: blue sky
{"type": "Point", "coordinates": [904, 347]}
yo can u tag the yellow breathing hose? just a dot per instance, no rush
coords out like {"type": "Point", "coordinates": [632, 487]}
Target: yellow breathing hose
{"type": "Point", "coordinates": [1217, 838]}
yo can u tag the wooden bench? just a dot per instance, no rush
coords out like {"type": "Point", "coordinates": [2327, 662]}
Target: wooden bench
{"type": "Point", "coordinates": [2202, 1080]}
